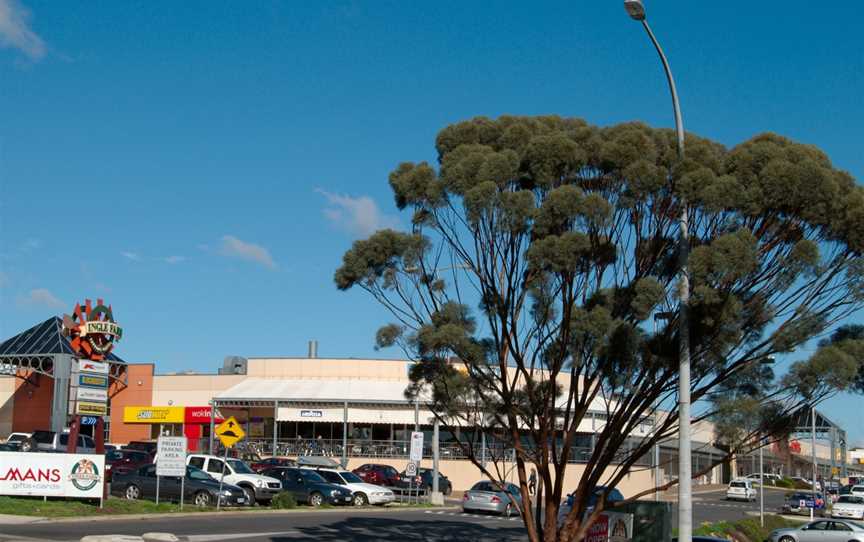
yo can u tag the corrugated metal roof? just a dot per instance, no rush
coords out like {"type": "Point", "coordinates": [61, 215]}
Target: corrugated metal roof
{"type": "Point", "coordinates": [43, 339]}
{"type": "Point", "coordinates": [319, 391]}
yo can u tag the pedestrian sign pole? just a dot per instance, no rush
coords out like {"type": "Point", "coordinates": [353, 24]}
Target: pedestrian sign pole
{"type": "Point", "coordinates": [230, 433]}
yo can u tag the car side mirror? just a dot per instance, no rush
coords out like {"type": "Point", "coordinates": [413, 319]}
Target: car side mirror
{"type": "Point", "coordinates": [300, 481]}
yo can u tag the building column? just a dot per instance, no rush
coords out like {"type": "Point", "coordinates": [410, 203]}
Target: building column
{"type": "Point", "coordinates": [345, 435]}
{"type": "Point", "coordinates": [275, 426]}
{"type": "Point", "coordinates": [60, 397]}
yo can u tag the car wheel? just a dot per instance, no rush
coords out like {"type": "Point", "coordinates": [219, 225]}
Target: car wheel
{"type": "Point", "coordinates": [316, 499]}
{"type": "Point", "coordinates": [250, 495]}
{"type": "Point", "coordinates": [360, 499]}
{"type": "Point", "coordinates": [202, 499]}
{"type": "Point", "coordinates": [786, 539]}
{"type": "Point", "coordinates": [133, 492]}
{"type": "Point", "coordinates": [27, 445]}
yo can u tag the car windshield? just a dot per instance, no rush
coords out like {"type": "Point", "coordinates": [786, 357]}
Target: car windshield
{"type": "Point", "coordinates": [240, 467]}
{"type": "Point", "coordinates": [851, 499]}
{"type": "Point", "coordinates": [331, 477]}
{"type": "Point", "coordinates": [16, 438]}
{"type": "Point", "coordinates": [737, 484]}
{"type": "Point", "coordinates": [197, 474]}
{"type": "Point", "coordinates": [350, 477]}
{"type": "Point", "coordinates": [311, 476]}
{"type": "Point", "coordinates": [114, 455]}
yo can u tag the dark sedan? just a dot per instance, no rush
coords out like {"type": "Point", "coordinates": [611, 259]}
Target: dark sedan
{"type": "Point", "coordinates": [309, 487]}
{"type": "Point", "coordinates": [424, 478]}
{"type": "Point", "coordinates": [198, 488]}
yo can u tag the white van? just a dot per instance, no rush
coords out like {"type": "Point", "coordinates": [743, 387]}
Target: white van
{"type": "Point", "coordinates": [740, 490]}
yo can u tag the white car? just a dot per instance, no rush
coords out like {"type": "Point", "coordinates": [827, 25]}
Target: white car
{"type": "Point", "coordinates": [820, 531]}
{"type": "Point", "coordinates": [741, 490]}
{"type": "Point", "coordinates": [361, 492]}
{"type": "Point", "coordinates": [258, 488]}
{"type": "Point", "coordinates": [848, 507]}
{"type": "Point", "coordinates": [857, 490]}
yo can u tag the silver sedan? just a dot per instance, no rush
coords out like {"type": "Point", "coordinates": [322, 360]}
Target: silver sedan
{"type": "Point", "coordinates": [487, 496]}
{"type": "Point", "coordinates": [824, 530]}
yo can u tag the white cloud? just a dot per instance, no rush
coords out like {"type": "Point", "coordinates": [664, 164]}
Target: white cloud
{"type": "Point", "coordinates": [358, 216]}
{"type": "Point", "coordinates": [175, 259]}
{"type": "Point", "coordinates": [40, 297]}
{"type": "Point", "coordinates": [131, 256]}
{"type": "Point", "coordinates": [233, 247]}
{"type": "Point", "coordinates": [15, 32]}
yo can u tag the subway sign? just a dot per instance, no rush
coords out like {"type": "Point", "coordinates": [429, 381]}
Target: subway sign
{"type": "Point", "coordinates": [169, 414]}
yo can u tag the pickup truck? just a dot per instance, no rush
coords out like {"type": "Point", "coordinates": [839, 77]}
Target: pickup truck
{"type": "Point", "coordinates": [258, 488]}
{"type": "Point", "coordinates": [49, 441]}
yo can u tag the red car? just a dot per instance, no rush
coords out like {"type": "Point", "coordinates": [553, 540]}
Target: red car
{"type": "Point", "coordinates": [380, 475]}
{"type": "Point", "coordinates": [272, 462]}
{"type": "Point", "coordinates": [125, 461]}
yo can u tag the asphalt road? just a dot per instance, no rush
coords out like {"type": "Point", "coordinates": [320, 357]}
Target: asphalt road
{"type": "Point", "coordinates": [329, 526]}
{"type": "Point", "coordinates": [711, 507]}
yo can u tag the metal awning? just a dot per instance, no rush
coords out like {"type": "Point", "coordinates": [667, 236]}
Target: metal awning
{"type": "Point", "coordinates": [259, 391]}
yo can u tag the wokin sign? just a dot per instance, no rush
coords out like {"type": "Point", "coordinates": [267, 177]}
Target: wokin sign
{"type": "Point", "coordinates": [52, 475]}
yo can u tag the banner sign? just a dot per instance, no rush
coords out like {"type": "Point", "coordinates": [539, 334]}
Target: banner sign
{"type": "Point", "coordinates": [200, 414]}
{"type": "Point", "coordinates": [93, 394]}
{"type": "Point", "coordinates": [92, 381]}
{"type": "Point", "coordinates": [611, 527]}
{"type": "Point", "coordinates": [416, 453]}
{"type": "Point", "coordinates": [311, 413]}
{"type": "Point", "coordinates": [171, 456]}
{"type": "Point", "coordinates": [169, 414]}
{"type": "Point", "coordinates": [93, 409]}
{"type": "Point", "coordinates": [52, 475]}
{"type": "Point", "coordinates": [98, 367]}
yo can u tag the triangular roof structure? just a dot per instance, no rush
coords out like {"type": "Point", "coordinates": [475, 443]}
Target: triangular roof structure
{"type": "Point", "coordinates": [43, 339]}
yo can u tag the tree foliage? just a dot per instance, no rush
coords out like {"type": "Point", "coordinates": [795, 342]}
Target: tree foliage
{"type": "Point", "coordinates": [542, 247]}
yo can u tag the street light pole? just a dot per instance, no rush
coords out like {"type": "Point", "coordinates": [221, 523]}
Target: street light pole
{"type": "Point", "coordinates": [636, 10]}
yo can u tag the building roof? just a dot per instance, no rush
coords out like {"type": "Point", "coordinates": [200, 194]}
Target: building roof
{"type": "Point", "coordinates": [370, 392]}
{"type": "Point", "coordinates": [43, 339]}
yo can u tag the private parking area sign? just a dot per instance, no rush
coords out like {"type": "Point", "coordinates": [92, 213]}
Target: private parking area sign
{"type": "Point", "coordinates": [171, 456]}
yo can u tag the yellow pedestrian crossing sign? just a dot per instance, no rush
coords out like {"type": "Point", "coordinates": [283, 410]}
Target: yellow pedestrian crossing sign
{"type": "Point", "coordinates": [230, 432]}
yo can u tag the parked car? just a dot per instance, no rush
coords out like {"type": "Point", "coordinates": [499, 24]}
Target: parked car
{"type": "Point", "coordinates": [741, 490]}
{"type": "Point", "coordinates": [857, 490]}
{"type": "Point", "coordinates": [49, 441]}
{"type": "Point", "coordinates": [766, 477]}
{"type": "Point", "coordinates": [427, 475]}
{"type": "Point", "coordinates": [8, 447]}
{"type": "Point", "coordinates": [271, 462]}
{"type": "Point", "coordinates": [123, 461]}
{"type": "Point", "coordinates": [487, 496]}
{"type": "Point", "coordinates": [15, 439]}
{"type": "Point", "coordinates": [804, 483]}
{"type": "Point", "coordinates": [848, 506]}
{"type": "Point", "coordinates": [309, 487]}
{"type": "Point", "coordinates": [199, 488]}
{"type": "Point", "coordinates": [820, 531]}
{"type": "Point", "coordinates": [258, 488]}
{"type": "Point", "coordinates": [801, 503]}
{"type": "Point", "coordinates": [612, 495]}
{"type": "Point", "coordinates": [361, 492]}
{"type": "Point", "coordinates": [147, 446]}
{"type": "Point", "coordinates": [380, 475]}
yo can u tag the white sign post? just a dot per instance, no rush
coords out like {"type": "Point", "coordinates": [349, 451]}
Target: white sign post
{"type": "Point", "coordinates": [415, 455]}
{"type": "Point", "coordinates": [171, 461]}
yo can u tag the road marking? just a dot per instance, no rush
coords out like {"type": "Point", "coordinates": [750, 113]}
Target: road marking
{"type": "Point", "coordinates": [236, 536]}
{"type": "Point", "coordinates": [17, 538]}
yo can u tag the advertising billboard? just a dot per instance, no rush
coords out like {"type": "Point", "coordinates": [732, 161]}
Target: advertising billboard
{"type": "Point", "coordinates": [52, 475]}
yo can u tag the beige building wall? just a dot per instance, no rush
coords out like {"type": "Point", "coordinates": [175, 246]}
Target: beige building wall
{"type": "Point", "coordinates": [334, 369]}
{"type": "Point", "coordinates": [7, 402]}
{"type": "Point", "coordinates": [190, 390]}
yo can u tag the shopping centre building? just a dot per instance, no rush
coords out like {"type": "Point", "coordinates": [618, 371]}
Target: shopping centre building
{"type": "Point", "coordinates": [351, 408]}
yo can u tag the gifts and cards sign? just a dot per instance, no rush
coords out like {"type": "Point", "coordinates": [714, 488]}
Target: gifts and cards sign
{"type": "Point", "coordinates": [52, 475]}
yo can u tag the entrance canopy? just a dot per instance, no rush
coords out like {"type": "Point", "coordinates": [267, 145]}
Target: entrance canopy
{"type": "Point", "coordinates": [366, 401]}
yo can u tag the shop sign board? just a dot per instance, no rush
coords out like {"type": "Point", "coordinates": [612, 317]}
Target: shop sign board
{"type": "Point", "coordinates": [199, 414]}
{"type": "Point", "coordinates": [171, 456]}
{"type": "Point", "coordinates": [92, 381]}
{"type": "Point", "coordinates": [92, 409]}
{"type": "Point", "coordinates": [311, 413]}
{"type": "Point", "coordinates": [93, 395]}
{"type": "Point", "coordinates": [97, 367]}
{"type": "Point", "coordinates": [416, 453]}
{"type": "Point", "coordinates": [147, 414]}
{"type": "Point", "coordinates": [52, 475]}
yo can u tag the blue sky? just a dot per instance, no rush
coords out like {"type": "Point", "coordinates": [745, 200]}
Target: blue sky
{"type": "Point", "coordinates": [203, 165]}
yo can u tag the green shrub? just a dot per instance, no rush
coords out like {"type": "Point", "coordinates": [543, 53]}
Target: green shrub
{"type": "Point", "coordinates": [745, 530]}
{"type": "Point", "coordinates": [284, 499]}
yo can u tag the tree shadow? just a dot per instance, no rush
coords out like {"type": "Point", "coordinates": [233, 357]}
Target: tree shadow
{"type": "Point", "coordinates": [436, 528]}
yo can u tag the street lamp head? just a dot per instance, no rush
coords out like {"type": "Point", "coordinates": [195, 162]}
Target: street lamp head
{"type": "Point", "coordinates": [635, 9]}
